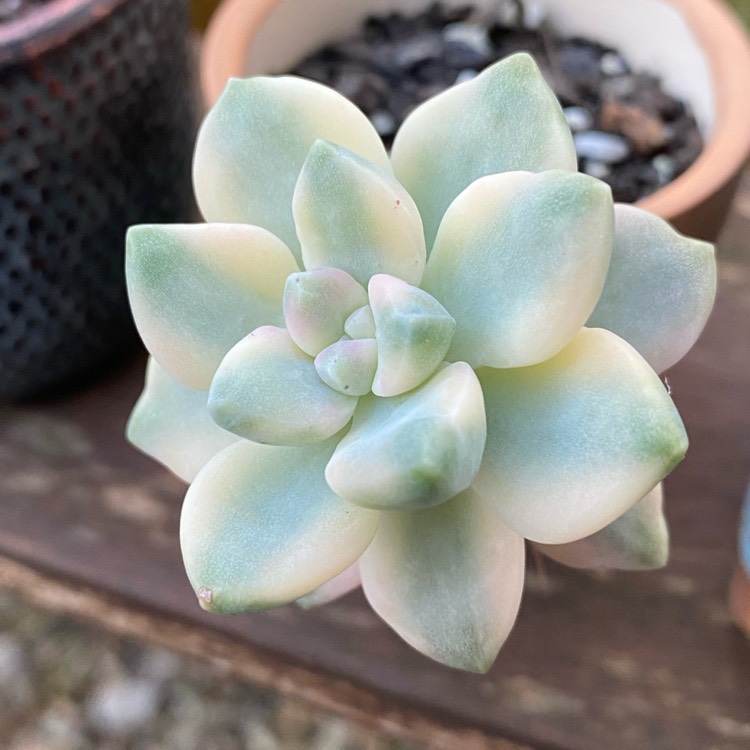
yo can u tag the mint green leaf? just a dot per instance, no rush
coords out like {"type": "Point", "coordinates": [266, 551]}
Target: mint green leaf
{"type": "Point", "coordinates": [637, 540]}
{"type": "Point", "coordinates": [171, 424]}
{"type": "Point", "coordinates": [353, 215]}
{"type": "Point", "coordinates": [252, 144]}
{"type": "Point", "coordinates": [267, 390]}
{"type": "Point", "coordinates": [448, 580]}
{"type": "Point", "coordinates": [505, 120]}
{"type": "Point", "coordinates": [520, 261]}
{"type": "Point", "coordinates": [574, 442]}
{"type": "Point", "coordinates": [660, 288]}
{"type": "Point", "coordinates": [413, 331]}
{"type": "Point", "coordinates": [196, 289]}
{"type": "Point", "coordinates": [260, 527]}
{"type": "Point", "coordinates": [416, 450]}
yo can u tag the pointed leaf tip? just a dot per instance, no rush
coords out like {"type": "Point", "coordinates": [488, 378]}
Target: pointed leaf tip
{"type": "Point", "coordinates": [413, 331]}
{"type": "Point", "coordinates": [355, 216]}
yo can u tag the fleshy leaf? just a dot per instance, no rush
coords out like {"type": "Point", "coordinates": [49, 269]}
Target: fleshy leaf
{"type": "Point", "coordinates": [637, 540]}
{"type": "Point", "coordinates": [353, 215]}
{"type": "Point", "coordinates": [254, 141]}
{"type": "Point", "coordinates": [576, 441]}
{"type": "Point", "coordinates": [196, 289]}
{"type": "Point", "coordinates": [317, 304]}
{"type": "Point", "coordinates": [171, 423]}
{"type": "Point", "coordinates": [416, 450]}
{"type": "Point", "coordinates": [448, 580]}
{"type": "Point", "coordinates": [520, 261]}
{"type": "Point", "coordinates": [413, 331]}
{"type": "Point", "coordinates": [504, 120]}
{"type": "Point", "coordinates": [361, 324]}
{"type": "Point", "coordinates": [660, 288]}
{"type": "Point", "coordinates": [267, 390]}
{"type": "Point", "coordinates": [334, 589]}
{"type": "Point", "coordinates": [349, 366]}
{"type": "Point", "coordinates": [260, 527]}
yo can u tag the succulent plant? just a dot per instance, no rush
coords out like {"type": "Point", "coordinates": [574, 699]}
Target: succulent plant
{"type": "Point", "coordinates": [393, 370]}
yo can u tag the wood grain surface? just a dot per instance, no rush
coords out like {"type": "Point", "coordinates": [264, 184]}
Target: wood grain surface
{"type": "Point", "coordinates": [631, 661]}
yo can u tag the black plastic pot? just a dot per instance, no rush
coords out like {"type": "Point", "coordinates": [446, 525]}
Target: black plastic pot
{"type": "Point", "coordinates": [97, 122]}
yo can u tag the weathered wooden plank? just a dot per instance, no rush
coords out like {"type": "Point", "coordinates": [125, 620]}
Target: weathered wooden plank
{"type": "Point", "coordinates": [633, 661]}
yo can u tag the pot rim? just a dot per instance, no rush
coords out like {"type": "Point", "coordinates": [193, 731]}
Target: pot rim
{"type": "Point", "coordinates": [49, 26]}
{"type": "Point", "coordinates": [718, 31]}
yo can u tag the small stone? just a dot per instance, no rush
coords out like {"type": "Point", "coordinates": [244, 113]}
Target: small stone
{"type": "Point", "coordinates": [578, 118]}
{"type": "Point", "coordinates": [612, 64]}
{"type": "Point", "coordinates": [664, 166]}
{"type": "Point", "coordinates": [466, 75]}
{"type": "Point", "coordinates": [349, 82]}
{"type": "Point", "coordinates": [383, 122]}
{"type": "Point", "coordinates": [622, 87]}
{"type": "Point", "coordinates": [645, 131]}
{"type": "Point", "coordinates": [123, 705]}
{"type": "Point", "coordinates": [417, 50]}
{"type": "Point", "coordinates": [534, 13]}
{"type": "Point", "coordinates": [580, 62]}
{"type": "Point", "coordinates": [434, 72]}
{"type": "Point", "coordinates": [606, 147]}
{"type": "Point", "coordinates": [458, 55]}
{"type": "Point", "coordinates": [597, 169]}
{"type": "Point", "coordinates": [472, 35]}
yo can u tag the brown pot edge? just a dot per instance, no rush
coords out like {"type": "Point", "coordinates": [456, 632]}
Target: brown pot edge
{"type": "Point", "coordinates": [696, 202]}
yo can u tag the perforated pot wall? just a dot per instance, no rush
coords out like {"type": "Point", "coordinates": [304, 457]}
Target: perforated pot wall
{"type": "Point", "coordinates": [96, 131]}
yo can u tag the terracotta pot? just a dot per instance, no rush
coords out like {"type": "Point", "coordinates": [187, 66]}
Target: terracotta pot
{"type": "Point", "coordinates": [96, 132]}
{"type": "Point", "coordinates": [697, 47]}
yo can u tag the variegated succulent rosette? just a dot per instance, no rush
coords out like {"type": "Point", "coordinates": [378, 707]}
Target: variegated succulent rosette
{"type": "Point", "coordinates": [393, 370]}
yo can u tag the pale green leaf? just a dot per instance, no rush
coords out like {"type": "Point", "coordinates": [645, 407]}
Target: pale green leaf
{"type": "Point", "coordinates": [637, 540]}
{"type": "Point", "coordinates": [660, 288]}
{"type": "Point", "coordinates": [576, 441]}
{"type": "Point", "coordinates": [254, 141]}
{"type": "Point", "coordinates": [504, 120]}
{"type": "Point", "coordinates": [520, 261]}
{"type": "Point", "coordinates": [317, 304]}
{"type": "Point", "coordinates": [196, 289]}
{"type": "Point", "coordinates": [353, 215]}
{"type": "Point", "coordinates": [349, 366]}
{"type": "Point", "coordinates": [413, 331]}
{"type": "Point", "coordinates": [260, 527]}
{"type": "Point", "coordinates": [448, 580]}
{"type": "Point", "coordinates": [334, 589]}
{"type": "Point", "coordinates": [170, 422]}
{"type": "Point", "coordinates": [416, 450]}
{"type": "Point", "coordinates": [267, 390]}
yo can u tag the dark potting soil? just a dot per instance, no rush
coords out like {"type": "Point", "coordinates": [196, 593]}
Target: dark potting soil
{"type": "Point", "coordinates": [628, 131]}
{"type": "Point", "coordinates": [10, 10]}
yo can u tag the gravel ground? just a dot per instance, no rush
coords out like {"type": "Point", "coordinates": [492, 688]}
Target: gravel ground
{"type": "Point", "coordinates": [67, 686]}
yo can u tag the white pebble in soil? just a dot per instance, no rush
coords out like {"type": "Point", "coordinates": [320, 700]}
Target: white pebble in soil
{"type": "Point", "coordinates": [383, 122]}
{"type": "Point", "coordinates": [597, 169]}
{"type": "Point", "coordinates": [578, 118]}
{"type": "Point", "coordinates": [472, 35]}
{"type": "Point", "coordinates": [534, 13]}
{"type": "Point", "coordinates": [664, 166]}
{"type": "Point", "coordinates": [466, 75]}
{"type": "Point", "coordinates": [612, 64]}
{"type": "Point", "coordinates": [606, 147]}
{"type": "Point", "coordinates": [122, 706]}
